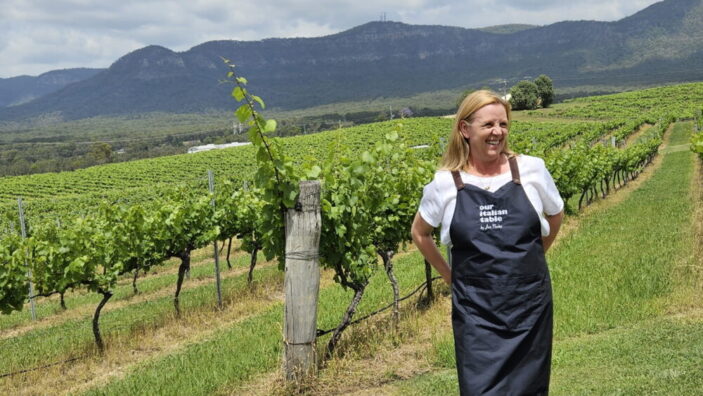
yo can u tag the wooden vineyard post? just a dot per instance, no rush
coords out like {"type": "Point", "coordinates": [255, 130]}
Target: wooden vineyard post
{"type": "Point", "coordinates": [302, 283]}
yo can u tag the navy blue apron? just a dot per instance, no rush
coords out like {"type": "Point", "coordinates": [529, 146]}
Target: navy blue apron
{"type": "Point", "coordinates": [501, 291]}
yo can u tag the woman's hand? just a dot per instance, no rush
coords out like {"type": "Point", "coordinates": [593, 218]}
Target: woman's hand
{"type": "Point", "coordinates": [422, 237]}
{"type": "Point", "coordinates": [554, 225]}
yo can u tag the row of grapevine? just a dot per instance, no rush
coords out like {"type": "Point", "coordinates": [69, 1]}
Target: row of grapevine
{"type": "Point", "coordinates": [367, 203]}
{"type": "Point", "coordinates": [584, 169]}
{"type": "Point", "coordinates": [680, 99]}
{"type": "Point", "coordinates": [66, 195]}
{"type": "Point", "coordinates": [93, 251]}
{"type": "Point", "coordinates": [540, 138]}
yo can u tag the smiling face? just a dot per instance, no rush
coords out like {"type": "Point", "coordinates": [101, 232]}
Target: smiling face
{"type": "Point", "coordinates": [487, 131]}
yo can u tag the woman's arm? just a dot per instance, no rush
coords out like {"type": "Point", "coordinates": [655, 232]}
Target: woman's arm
{"type": "Point", "coordinates": [554, 225]}
{"type": "Point", "coordinates": [422, 237]}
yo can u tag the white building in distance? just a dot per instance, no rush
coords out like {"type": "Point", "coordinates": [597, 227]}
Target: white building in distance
{"type": "Point", "coordinates": [208, 147]}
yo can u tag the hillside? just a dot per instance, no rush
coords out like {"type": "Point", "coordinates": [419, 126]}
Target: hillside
{"type": "Point", "coordinates": [22, 89]}
{"type": "Point", "coordinates": [662, 43]}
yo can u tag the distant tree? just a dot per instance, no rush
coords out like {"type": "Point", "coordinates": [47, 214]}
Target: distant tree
{"type": "Point", "coordinates": [100, 153]}
{"type": "Point", "coordinates": [545, 90]}
{"type": "Point", "coordinates": [524, 96]}
{"type": "Point", "coordinates": [19, 167]}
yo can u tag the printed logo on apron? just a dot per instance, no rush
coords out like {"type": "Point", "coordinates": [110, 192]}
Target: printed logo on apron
{"type": "Point", "coordinates": [491, 218]}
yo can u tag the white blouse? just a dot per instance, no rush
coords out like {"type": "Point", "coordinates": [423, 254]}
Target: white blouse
{"type": "Point", "coordinates": [439, 196]}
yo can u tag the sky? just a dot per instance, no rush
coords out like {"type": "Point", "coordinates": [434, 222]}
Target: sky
{"type": "Point", "coordinates": [37, 36]}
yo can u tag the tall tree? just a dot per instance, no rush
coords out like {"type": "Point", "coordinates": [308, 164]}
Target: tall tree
{"type": "Point", "coordinates": [545, 90]}
{"type": "Point", "coordinates": [524, 95]}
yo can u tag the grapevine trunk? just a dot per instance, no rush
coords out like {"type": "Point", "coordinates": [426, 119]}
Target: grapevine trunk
{"type": "Point", "coordinates": [346, 319]}
{"type": "Point", "coordinates": [96, 321]}
{"type": "Point", "coordinates": [182, 269]}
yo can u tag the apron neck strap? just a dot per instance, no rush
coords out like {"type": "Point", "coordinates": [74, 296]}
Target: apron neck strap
{"type": "Point", "coordinates": [514, 171]}
{"type": "Point", "coordinates": [457, 180]}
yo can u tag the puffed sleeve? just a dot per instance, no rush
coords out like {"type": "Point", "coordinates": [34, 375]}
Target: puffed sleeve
{"type": "Point", "coordinates": [548, 193]}
{"type": "Point", "coordinates": [430, 205]}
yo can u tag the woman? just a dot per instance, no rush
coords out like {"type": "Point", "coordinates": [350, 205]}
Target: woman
{"type": "Point", "coordinates": [499, 213]}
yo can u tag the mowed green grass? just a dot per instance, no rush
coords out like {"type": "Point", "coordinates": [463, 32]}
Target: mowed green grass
{"type": "Point", "coordinates": [74, 337]}
{"type": "Point", "coordinates": [663, 356]}
{"type": "Point", "coordinates": [251, 347]}
{"type": "Point", "coordinates": [612, 280]}
{"type": "Point", "coordinates": [620, 263]}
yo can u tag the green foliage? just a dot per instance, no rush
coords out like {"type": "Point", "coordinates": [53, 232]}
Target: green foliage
{"type": "Point", "coordinates": [90, 252]}
{"type": "Point", "coordinates": [368, 205]}
{"type": "Point", "coordinates": [528, 95]}
{"type": "Point", "coordinates": [545, 90]}
{"type": "Point", "coordinates": [183, 221]}
{"type": "Point", "coordinates": [100, 153]}
{"type": "Point", "coordinates": [400, 177]}
{"type": "Point", "coordinates": [586, 166]}
{"type": "Point", "coordinates": [14, 288]}
{"type": "Point", "coordinates": [697, 144]}
{"type": "Point", "coordinates": [368, 201]}
{"type": "Point", "coordinates": [275, 174]}
{"type": "Point", "coordinates": [524, 96]}
{"type": "Point", "coordinates": [697, 136]}
{"type": "Point", "coordinates": [239, 214]}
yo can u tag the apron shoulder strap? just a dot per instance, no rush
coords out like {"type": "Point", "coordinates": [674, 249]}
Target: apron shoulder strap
{"type": "Point", "coordinates": [457, 180]}
{"type": "Point", "coordinates": [514, 171]}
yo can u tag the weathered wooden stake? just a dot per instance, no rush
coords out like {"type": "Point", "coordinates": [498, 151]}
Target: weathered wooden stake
{"type": "Point", "coordinates": [302, 283]}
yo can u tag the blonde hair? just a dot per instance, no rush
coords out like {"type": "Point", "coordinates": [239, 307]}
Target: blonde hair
{"type": "Point", "coordinates": [458, 156]}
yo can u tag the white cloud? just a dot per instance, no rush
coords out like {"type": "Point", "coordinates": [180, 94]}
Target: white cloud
{"type": "Point", "coordinates": [41, 35]}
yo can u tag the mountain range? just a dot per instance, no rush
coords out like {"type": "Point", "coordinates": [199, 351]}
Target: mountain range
{"type": "Point", "coordinates": [22, 89]}
{"type": "Point", "coordinates": [662, 43]}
